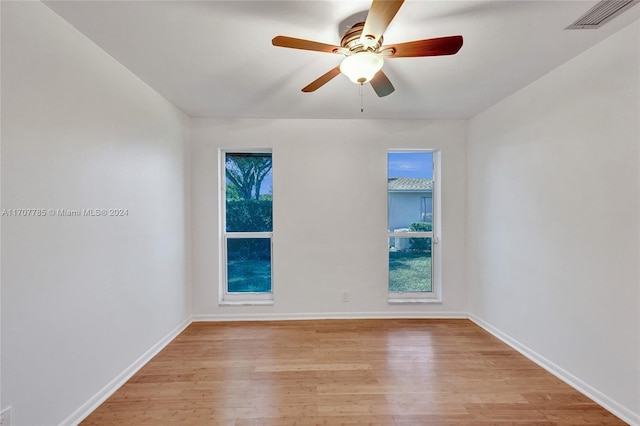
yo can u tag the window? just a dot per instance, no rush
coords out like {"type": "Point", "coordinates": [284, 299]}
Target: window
{"type": "Point", "coordinates": [247, 227]}
{"type": "Point", "coordinates": [412, 195]}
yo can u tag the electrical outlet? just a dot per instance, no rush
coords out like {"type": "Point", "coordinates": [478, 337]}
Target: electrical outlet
{"type": "Point", "coordinates": [5, 417]}
{"type": "Point", "coordinates": [345, 295]}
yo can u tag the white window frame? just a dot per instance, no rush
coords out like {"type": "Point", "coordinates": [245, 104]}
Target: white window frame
{"type": "Point", "coordinates": [435, 295]}
{"type": "Point", "coordinates": [226, 297]}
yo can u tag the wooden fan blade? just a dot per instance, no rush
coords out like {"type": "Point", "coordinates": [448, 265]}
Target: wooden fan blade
{"type": "Point", "coordinates": [381, 84]}
{"type": "Point", "coordinates": [299, 43]}
{"type": "Point", "coordinates": [378, 19]}
{"type": "Point", "coordinates": [431, 47]}
{"type": "Point", "coordinates": [322, 80]}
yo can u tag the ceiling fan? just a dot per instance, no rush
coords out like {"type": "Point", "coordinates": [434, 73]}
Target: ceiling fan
{"type": "Point", "coordinates": [365, 54]}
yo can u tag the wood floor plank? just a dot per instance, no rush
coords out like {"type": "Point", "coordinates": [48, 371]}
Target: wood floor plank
{"type": "Point", "coordinates": [332, 372]}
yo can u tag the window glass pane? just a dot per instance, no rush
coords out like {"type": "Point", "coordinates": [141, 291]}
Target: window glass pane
{"type": "Point", "coordinates": [410, 191]}
{"type": "Point", "coordinates": [410, 264]}
{"type": "Point", "coordinates": [249, 265]}
{"type": "Point", "coordinates": [249, 192]}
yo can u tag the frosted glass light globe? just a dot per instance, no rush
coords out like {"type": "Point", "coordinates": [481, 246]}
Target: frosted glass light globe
{"type": "Point", "coordinates": [361, 67]}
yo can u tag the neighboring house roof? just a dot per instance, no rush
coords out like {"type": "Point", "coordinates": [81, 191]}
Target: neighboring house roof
{"type": "Point", "coordinates": [409, 184]}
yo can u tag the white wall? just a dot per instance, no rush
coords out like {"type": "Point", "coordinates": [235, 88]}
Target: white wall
{"type": "Point", "coordinates": [553, 215]}
{"type": "Point", "coordinates": [330, 201]}
{"type": "Point", "coordinates": [84, 297]}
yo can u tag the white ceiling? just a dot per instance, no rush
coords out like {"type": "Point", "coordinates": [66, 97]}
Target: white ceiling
{"type": "Point", "coordinates": [215, 58]}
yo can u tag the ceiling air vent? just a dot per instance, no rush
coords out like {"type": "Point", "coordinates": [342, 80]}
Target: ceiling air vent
{"type": "Point", "coordinates": [601, 13]}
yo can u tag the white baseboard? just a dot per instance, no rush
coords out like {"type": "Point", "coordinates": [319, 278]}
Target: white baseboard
{"type": "Point", "coordinates": [329, 315]}
{"type": "Point", "coordinates": [624, 413]}
{"type": "Point", "coordinates": [94, 402]}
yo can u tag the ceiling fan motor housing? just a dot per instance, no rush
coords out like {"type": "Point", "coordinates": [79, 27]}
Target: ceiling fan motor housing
{"type": "Point", "coordinates": [351, 40]}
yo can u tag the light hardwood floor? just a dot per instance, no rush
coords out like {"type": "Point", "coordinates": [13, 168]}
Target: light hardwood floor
{"type": "Point", "coordinates": [381, 372]}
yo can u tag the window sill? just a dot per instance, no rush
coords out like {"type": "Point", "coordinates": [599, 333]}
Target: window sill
{"type": "Point", "coordinates": [405, 301]}
{"type": "Point", "coordinates": [245, 303]}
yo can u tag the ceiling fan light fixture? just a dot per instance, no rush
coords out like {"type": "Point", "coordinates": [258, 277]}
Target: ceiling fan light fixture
{"type": "Point", "coordinates": [361, 67]}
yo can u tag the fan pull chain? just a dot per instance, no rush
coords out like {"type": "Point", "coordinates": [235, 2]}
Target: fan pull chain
{"type": "Point", "coordinates": [361, 99]}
